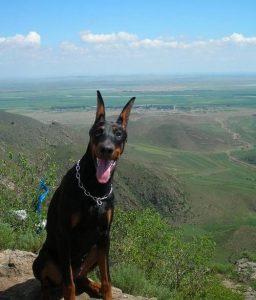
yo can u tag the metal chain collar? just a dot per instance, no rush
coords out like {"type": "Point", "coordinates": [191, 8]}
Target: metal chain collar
{"type": "Point", "coordinates": [97, 200]}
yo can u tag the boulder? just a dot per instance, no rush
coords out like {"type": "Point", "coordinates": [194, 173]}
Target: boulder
{"type": "Point", "coordinates": [18, 283]}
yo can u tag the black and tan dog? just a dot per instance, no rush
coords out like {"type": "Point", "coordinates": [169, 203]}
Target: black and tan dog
{"type": "Point", "coordinates": [81, 212]}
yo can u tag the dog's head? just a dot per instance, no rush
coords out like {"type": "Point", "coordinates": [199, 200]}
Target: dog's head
{"type": "Point", "coordinates": [107, 139]}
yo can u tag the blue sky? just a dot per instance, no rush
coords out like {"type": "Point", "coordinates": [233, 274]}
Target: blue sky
{"type": "Point", "coordinates": [52, 38]}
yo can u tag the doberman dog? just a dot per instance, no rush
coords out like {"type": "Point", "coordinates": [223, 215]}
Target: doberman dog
{"type": "Point", "coordinates": [80, 214]}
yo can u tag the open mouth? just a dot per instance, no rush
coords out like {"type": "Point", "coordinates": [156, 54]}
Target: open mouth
{"type": "Point", "coordinates": [104, 169]}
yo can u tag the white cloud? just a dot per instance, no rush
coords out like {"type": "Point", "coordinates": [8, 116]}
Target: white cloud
{"type": "Point", "coordinates": [238, 38]}
{"type": "Point", "coordinates": [118, 39]}
{"type": "Point", "coordinates": [100, 38]}
{"type": "Point", "coordinates": [68, 47]}
{"type": "Point", "coordinates": [158, 43]}
{"type": "Point", "coordinates": [31, 39]}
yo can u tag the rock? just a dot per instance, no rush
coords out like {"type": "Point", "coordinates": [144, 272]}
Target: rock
{"type": "Point", "coordinates": [246, 269]}
{"type": "Point", "coordinates": [250, 294]}
{"type": "Point", "coordinates": [130, 297]}
{"type": "Point", "coordinates": [247, 272]}
{"type": "Point", "coordinates": [7, 183]}
{"type": "Point", "coordinates": [230, 284]}
{"type": "Point", "coordinates": [16, 264]}
{"type": "Point", "coordinates": [16, 278]}
{"type": "Point", "coordinates": [20, 214]}
{"type": "Point", "coordinates": [18, 283]}
{"type": "Point", "coordinates": [83, 296]}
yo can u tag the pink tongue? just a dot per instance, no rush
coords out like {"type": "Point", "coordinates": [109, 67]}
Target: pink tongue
{"type": "Point", "coordinates": [103, 170]}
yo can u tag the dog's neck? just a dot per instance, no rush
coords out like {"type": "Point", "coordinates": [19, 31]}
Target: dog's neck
{"type": "Point", "coordinates": [88, 175]}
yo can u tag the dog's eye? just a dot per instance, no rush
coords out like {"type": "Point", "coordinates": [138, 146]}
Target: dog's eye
{"type": "Point", "coordinates": [118, 133]}
{"type": "Point", "coordinates": [98, 132]}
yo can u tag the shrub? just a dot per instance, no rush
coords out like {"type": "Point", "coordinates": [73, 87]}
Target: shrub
{"type": "Point", "coordinates": [145, 240]}
{"type": "Point", "coordinates": [6, 236]}
{"type": "Point", "coordinates": [19, 191]}
{"type": "Point", "coordinates": [226, 268]}
{"type": "Point", "coordinates": [134, 281]}
{"type": "Point", "coordinates": [148, 256]}
{"type": "Point", "coordinates": [216, 290]}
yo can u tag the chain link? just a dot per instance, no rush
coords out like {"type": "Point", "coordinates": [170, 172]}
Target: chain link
{"type": "Point", "coordinates": [97, 200]}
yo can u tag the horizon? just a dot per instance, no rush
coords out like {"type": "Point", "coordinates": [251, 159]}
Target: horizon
{"type": "Point", "coordinates": [113, 76]}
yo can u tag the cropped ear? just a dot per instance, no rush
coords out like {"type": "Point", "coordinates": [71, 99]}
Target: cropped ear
{"type": "Point", "coordinates": [124, 116]}
{"type": "Point", "coordinates": [100, 113]}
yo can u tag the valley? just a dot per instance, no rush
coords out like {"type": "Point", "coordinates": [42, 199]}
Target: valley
{"type": "Point", "coordinates": [195, 164]}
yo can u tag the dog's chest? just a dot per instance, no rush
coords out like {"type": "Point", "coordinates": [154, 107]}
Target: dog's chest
{"type": "Point", "coordinates": [91, 228]}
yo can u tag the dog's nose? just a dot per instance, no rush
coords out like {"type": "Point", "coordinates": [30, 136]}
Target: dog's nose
{"type": "Point", "coordinates": [106, 149]}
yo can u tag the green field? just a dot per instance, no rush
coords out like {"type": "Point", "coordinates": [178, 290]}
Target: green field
{"type": "Point", "coordinates": [185, 92]}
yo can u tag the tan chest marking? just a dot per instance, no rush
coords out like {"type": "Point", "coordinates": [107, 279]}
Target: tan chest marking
{"type": "Point", "coordinates": [75, 219]}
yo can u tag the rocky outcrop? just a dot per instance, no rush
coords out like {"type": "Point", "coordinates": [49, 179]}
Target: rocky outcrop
{"type": "Point", "coordinates": [247, 272]}
{"type": "Point", "coordinates": [246, 269]}
{"type": "Point", "coordinates": [17, 281]}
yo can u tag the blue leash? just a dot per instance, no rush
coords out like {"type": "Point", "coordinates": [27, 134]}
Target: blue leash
{"type": "Point", "coordinates": [41, 197]}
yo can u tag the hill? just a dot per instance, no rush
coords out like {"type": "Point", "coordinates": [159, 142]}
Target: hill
{"type": "Point", "coordinates": [184, 132]}
{"type": "Point", "coordinates": [27, 135]}
{"type": "Point", "coordinates": [198, 151]}
{"type": "Point", "coordinates": [179, 164]}
{"type": "Point", "coordinates": [65, 145]}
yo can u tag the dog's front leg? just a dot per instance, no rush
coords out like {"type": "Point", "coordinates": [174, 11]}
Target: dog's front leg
{"type": "Point", "coordinates": [66, 269]}
{"type": "Point", "coordinates": [103, 253]}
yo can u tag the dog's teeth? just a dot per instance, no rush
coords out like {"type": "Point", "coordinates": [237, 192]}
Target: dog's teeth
{"type": "Point", "coordinates": [113, 163]}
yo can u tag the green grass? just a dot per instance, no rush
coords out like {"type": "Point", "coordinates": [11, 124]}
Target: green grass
{"type": "Point", "coordinates": [248, 156]}
{"type": "Point", "coordinates": [79, 93]}
{"type": "Point", "coordinates": [132, 280]}
{"type": "Point", "coordinates": [245, 126]}
{"type": "Point", "coordinates": [191, 133]}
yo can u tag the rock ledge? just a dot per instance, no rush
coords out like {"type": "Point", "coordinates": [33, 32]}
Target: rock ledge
{"type": "Point", "coordinates": [18, 283]}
